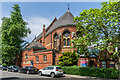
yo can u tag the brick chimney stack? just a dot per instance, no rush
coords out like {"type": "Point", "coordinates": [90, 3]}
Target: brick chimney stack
{"type": "Point", "coordinates": [44, 32]}
{"type": "Point", "coordinates": [43, 26]}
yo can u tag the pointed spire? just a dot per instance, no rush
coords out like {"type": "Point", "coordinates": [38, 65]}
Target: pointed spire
{"type": "Point", "coordinates": [68, 7]}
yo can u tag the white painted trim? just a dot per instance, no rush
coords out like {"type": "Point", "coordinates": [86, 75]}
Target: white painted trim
{"type": "Point", "coordinates": [49, 44]}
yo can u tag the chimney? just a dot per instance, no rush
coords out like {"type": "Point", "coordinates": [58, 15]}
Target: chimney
{"type": "Point", "coordinates": [44, 32]}
{"type": "Point", "coordinates": [43, 26]}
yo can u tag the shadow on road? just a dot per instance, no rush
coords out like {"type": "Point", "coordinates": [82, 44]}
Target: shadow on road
{"type": "Point", "coordinates": [56, 78]}
{"type": "Point", "coordinates": [10, 78]}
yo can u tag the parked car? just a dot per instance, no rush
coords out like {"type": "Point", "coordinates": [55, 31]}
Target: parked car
{"type": "Point", "coordinates": [13, 68]}
{"type": "Point", "coordinates": [1, 67]}
{"type": "Point", "coordinates": [52, 71]}
{"type": "Point", "coordinates": [4, 68]}
{"type": "Point", "coordinates": [28, 70]}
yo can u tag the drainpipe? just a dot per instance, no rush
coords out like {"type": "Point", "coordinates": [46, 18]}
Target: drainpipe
{"type": "Point", "coordinates": [44, 32]}
{"type": "Point", "coordinates": [51, 40]}
{"type": "Point", "coordinates": [53, 51]}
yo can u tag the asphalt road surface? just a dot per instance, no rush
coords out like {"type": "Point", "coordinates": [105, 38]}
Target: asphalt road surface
{"type": "Point", "coordinates": [4, 75]}
{"type": "Point", "coordinates": [21, 76]}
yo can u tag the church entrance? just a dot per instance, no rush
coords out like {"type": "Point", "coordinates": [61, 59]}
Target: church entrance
{"type": "Point", "coordinates": [31, 63]}
{"type": "Point", "coordinates": [91, 63]}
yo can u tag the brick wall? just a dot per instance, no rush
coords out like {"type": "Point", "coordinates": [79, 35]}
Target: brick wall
{"type": "Point", "coordinates": [48, 45]}
{"type": "Point", "coordinates": [59, 30]}
{"type": "Point", "coordinates": [57, 58]}
{"type": "Point", "coordinates": [32, 57]}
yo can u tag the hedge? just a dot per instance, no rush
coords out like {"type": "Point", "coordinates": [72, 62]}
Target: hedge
{"type": "Point", "coordinates": [93, 72]}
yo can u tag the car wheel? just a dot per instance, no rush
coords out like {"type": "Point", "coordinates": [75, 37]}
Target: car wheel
{"type": "Point", "coordinates": [40, 73]}
{"type": "Point", "coordinates": [28, 72]}
{"type": "Point", "coordinates": [12, 70]}
{"type": "Point", "coordinates": [52, 75]}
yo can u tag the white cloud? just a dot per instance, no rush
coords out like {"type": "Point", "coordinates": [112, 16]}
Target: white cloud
{"type": "Point", "coordinates": [36, 25]}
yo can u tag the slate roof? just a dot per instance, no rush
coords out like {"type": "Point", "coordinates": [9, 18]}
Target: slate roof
{"type": "Point", "coordinates": [36, 45]}
{"type": "Point", "coordinates": [65, 19]}
{"type": "Point", "coordinates": [39, 36]}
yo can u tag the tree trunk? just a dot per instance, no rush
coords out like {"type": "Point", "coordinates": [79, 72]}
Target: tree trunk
{"type": "Point", "coordinates": [119, 67]}
{"type": "Point", "coordinates": [106, 57]}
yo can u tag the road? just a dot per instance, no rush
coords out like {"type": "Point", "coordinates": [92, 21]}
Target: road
{"type": "Point", "coordinates": [4, 75]}
{"type": "Point", "coordinates": [21, 76]}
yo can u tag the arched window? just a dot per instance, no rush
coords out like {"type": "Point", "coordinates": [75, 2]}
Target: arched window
{"type": "Point", "coordinates": [66, 38]}
{"type": "Point", "coordinates": [64, 41]}
{"type": "Point", "coordinates": [55, 36]}
{"type": "Point", "coordinates": [66, 33]}
{"type": "Point", "coordinates": [68, 42]}
{"type": "Point", "coordinates": [55, 40]}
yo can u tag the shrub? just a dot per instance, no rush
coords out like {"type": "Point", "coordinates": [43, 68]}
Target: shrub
{"type": "Point", "coordinates": [68, 59]}
{"type": "Point", "coordinates": [4, 64]}
{"type": "Point", "coordinates": [93, 72]}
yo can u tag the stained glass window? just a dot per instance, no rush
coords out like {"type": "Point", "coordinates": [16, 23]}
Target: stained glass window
{"type": "Point", "coordinates": [55, 36]}
{"type": "Point", "coordinates": [55, 40]}
{"type": "Point", "coordinates": [66, 33]}
{"type": "Point", "coordinates": [68, 42]}
{"type": "Point", "coordinates": [64, 40]}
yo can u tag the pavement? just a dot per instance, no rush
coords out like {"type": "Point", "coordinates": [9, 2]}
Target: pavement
{"type": "Point", "coordinates": [87, 77]}
{"type": "Point", "coordinates": [4, 75]}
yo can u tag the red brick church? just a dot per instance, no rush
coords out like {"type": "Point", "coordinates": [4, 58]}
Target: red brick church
{"type": "Point", "coordinates": [45, 49]}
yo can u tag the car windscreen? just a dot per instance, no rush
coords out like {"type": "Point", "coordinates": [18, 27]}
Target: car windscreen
{"type": "Point", "coordinates": [5, 66]}
{"type": "Point", "coordinates": [31, 67]}
{"type": "Point", "coordinates": [58, 67]}
{"type": "Point", "coordinates": [15, 66]}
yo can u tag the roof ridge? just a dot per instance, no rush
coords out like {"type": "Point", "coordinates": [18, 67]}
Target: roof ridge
{"type": "Point", "coordinates": [54, 20]}
{"type": "Point", "coordinates": [66, 18]}
{"type": "Point", "coordinates": [40, 35]}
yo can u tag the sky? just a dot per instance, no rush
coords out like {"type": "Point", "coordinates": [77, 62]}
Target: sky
{"type": "Point", "coordinates": [38, 13]}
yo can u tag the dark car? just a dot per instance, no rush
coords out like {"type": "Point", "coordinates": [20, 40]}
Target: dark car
{"type": "Point", "coordinates": [4, 68]}
{"type": "Point", "coordinates": [28, 70]}
{"type": "Point", "coordinates": [13, 68]}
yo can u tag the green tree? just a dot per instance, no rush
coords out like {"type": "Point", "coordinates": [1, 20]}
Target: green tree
{"type": "Point", "coordinates": [99, 27]}
{"type": "Point", "coordinates": [68, 59]}
{"type": "Point", "coordinates": [114, 0]}
{"type": "Point", "coordinates": [13, 30]}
